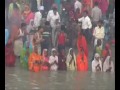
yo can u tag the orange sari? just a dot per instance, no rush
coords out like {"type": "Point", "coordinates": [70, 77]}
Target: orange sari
{"type": "Point", "coordinates": [33, 58]}
{"type": "Point", "coordinates": [82, 65]}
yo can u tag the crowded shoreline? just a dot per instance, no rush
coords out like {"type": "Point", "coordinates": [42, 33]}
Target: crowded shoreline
{"type": "Point", "coordinates": [38, 36]}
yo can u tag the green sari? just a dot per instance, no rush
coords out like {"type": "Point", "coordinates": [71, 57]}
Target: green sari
{"type": "Point", "coordinates": [24, 56]}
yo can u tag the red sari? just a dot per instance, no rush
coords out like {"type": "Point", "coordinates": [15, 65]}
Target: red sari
{"type": "Point", "coordinates": [9, 55]}
{"type": "Point", "coordinates": [81, 42]}
{"type": "Point", "coordinates": [82, 65]}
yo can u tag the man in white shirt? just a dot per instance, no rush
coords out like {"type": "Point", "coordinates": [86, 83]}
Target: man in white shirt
{"type": "Point", "coordinates": [77, 5]}
{"type": "Point", "coordinates": [54, 18]}
{"type": "Point", "coordinates": [38, 17]}
{"type": "Point", "coordinates": [86, 25]}
{"type": "Point", "coordinates": [96, 14]}
{"type": "Point", "coordinates": [99, 33]}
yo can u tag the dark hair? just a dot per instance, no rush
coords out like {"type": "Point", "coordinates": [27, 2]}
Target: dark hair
{"type": "Point", "coordinates": [40, 27]}
{"type": "Point", "coordinates": [96, 3]}
{"type": "Point", "coordinates": [100, 21]}
{"type": "Point", "coordinates": [86, 11]}
{"type": "Point", "coordinates": [62, 27]}
{"type": "Point", "coordinates": [15, 6]}
{"type": "Point", "coordinates": [99, 41]}
{"type": "Point", "coordinates": [23, 25]}
{"type": "Point", "coordinates": [47, 23]}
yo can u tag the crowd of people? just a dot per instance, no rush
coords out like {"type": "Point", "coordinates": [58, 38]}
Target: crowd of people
{"type": "Point", "coordinates": [38, 32]}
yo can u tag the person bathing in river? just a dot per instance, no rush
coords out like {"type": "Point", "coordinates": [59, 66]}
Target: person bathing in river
{"type": "Point", "coordinates": [82, 61]}
{"type": "Point", "coordinates": [45, 59]}
{"type": "Point", "coordinates": [81, 42]}
{"type": "Point", "coordinates": [97, 63]}
{"type": "Point", "coordinates": [53, 60]}
{"type": "Point", "coordinates": [62, 60]}
{"type": "Point", "coordinates": [71, 60]}
{"type": "Point", "coordinates": [108, 65]}
{"type": "Point", "coordinates": [35, 60]}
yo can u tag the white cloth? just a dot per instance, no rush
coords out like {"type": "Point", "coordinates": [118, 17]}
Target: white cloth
{"type": "Point", "coordinates": [86, 22]}
{"type": "Point", "coordinates": [106, 64]}
{"type": "Point", "coordinates": [95, 63]}
{"type": "Point", "coordinates": [71, 66]}
{"type": "Point", "coordinates": [51, 60]}
{"type": "Point", "coordinates": [37, 19]}
{"type": "Point", "coordinates": [96, 14]}
{"type": "Point", "coordinates": [99, 33]}
{"type": "Point", "coordinates": [52, 18]}
{"type": "Point", "coordinates": [78, 4]}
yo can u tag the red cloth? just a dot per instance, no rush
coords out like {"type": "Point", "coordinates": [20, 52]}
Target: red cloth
{"type": "Point", "coordinates": [9, 56]}
{"type": "Point", "coordinates": [61, 39]}
{"type": "Point", "coordinates": [81, 42]}
{"type": "Point", "coordinates": [82, 65]}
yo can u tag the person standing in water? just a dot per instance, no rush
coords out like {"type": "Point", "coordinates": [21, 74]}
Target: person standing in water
{"type": "Point", "coordinates": [53, 60]}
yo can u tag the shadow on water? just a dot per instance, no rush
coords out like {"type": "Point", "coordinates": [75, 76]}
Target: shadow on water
{"type": "Point", "coordinates": [20, 79]}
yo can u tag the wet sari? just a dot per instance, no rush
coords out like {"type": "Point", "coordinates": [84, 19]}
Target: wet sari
{"type": "Point", "coordinates": [33, 62]}
{"type": "Point", "coordinates": [45, 66]}
{"type": "Point", "coordinates": [71, 65]}
{"type": "Point", "coordinates": [82, 62]}
{"type": "Point", "coordinates": [9, 54]}
{"type": "Point", "coordinates": [24, 56]}
{"type": "Point", "coordinates": [81, 42]}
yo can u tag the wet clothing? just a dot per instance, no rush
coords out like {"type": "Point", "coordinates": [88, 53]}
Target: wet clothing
{"type": "Point", "coordinates": [34, 62]}
{"type": "Point", "coordinates": [82, 62]}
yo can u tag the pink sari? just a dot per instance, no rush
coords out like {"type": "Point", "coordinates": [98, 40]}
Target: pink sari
{"type": "Point", "coordinates": [29, 17]}
{"type": "Point", "coordinates": [45, 59]}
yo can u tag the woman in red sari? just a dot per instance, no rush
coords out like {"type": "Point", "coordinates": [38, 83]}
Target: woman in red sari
{"type": "Point", "coordinates": [81, 42]}
{"type": "Point", "coordinates": [9, 54]}
{"type": "Point", "coordinates": [106, 52]}
{"type": "Point", "coordinates": [82, 61]}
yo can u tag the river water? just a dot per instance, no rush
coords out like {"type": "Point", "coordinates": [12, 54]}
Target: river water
{"type": "Point", "coordinates": [21, 79]}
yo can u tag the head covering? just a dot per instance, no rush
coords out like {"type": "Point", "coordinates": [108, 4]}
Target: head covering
{"type": "Point", "coordinates": [53, 49]}
{"type": "Point", "coordinates": [43, 53]}
{"type": "Point", "coordinates": [107, 46]}
{"type": "Point", "coordinates": [108, 64]}
{"type": "Point", "coordinates": [96, 55]}
{"type": "Point", "coordinates": [41, 8]}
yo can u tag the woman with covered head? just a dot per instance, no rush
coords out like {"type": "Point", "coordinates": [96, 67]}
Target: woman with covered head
{"type": "Point", "coordinates": [108, 65]}
{"type": "Point", "coordinates": [45, 60]}
{"type": "Point", "coordinates": [27, 14]}
{"type": "Point", "coordinates": [53, 60]}
{"type": "Point", "coordinates": [71, 60]}
{"type": "Point", "coordinates": [96, 63]}
{"type": "Point", "coordinates": [82, 61]}
{"type": "Point", "coordinates": [34, 61]}
{"type": "Point", "coordinates": [106, 52]}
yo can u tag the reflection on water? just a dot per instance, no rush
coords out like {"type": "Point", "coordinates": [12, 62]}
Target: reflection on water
{"type": "Point", "coordinates": [20, 79]}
